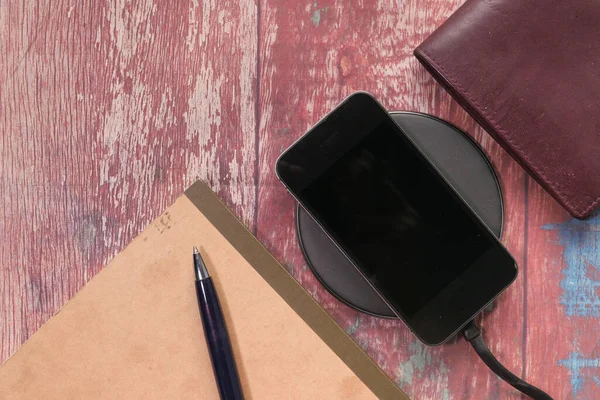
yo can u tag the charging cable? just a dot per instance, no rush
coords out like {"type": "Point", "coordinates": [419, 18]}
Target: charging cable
{"type": "Point", "coordinates": [472, 334]}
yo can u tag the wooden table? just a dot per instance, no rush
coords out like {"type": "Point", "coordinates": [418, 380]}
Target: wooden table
{"type": "Point", "coordinates": [110, 109]}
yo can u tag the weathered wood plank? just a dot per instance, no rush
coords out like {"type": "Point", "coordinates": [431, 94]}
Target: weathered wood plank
{"type": "Point", "coordinates": [313, 55]}
{"type": "Point", "coordinates": [109, 110]}
{"type": "Point", "coordinates": [563, 304]}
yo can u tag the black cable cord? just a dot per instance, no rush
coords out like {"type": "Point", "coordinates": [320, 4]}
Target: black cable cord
{"type": "Point", "coordinates": [472, 334]}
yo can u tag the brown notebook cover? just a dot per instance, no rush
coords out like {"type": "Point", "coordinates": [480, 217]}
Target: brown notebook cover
{"type": "Point", "coordinates": [134, 331]}
{"type": "Point", "coordinates": [529, 73]}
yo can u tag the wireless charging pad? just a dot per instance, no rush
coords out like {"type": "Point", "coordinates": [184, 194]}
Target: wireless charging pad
{"type": "Point", "coordinates": [460, 161]}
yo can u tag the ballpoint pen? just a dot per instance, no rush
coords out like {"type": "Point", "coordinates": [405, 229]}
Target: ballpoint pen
{"type": "Point", "coordinates": [215, 330]}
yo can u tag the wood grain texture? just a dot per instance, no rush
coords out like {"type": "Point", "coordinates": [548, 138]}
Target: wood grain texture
{"type": "Point", "coordinates": [110, 109]}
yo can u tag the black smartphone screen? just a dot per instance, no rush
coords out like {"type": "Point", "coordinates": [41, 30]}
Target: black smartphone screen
{"type": "Point", "coordinates": [411, 236]}
{"type": "Point", "coordinates": [396, 218]}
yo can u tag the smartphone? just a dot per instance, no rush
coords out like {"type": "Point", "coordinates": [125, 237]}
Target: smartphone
{"type": "Point", "coordinates": [398, 221]}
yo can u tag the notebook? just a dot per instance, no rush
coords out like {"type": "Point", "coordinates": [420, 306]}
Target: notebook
{"type": "Point", "coordinates": [134, 330]}
{"type": "Point", "coordinates": [527, 71]}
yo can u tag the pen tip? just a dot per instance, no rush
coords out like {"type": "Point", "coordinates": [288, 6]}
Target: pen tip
{"type": "Point", "coordinates": [199, 266]}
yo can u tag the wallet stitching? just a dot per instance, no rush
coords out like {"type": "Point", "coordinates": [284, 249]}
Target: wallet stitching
{"type": "Point", "coordinates": [555, 185]}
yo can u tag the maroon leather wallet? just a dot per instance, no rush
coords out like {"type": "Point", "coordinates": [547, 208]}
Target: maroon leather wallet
{"type": "Point", "coordinates": [529, 73]}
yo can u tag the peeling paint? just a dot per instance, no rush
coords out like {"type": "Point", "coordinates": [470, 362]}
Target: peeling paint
{"type": "Point", "coordinates": [582, 275]}
{"type": "Point", "coordinates": [203, 120]}
{"type": "Point", "coordinates": [419, 359]}
{"type": "Point", "coordinates": [165, 117]}
{"type": "Point", "coordinates": [420, 365]}
{"type": "Point", "coordinates": [351, 330]}
{"type": "Point", "coordinates": [192, 26]}
{"type": "Point", "coordinates": [316, 14]}
{"type": "Point", "coordinates": [316, 17]}
{"type": "Point", "coordinates": [576, 363]}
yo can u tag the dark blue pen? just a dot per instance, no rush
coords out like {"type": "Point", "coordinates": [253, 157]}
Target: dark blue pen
{"type": "Point", "coordinates": [215, 330]}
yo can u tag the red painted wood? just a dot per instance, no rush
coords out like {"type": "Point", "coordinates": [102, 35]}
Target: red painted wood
{"type": "Point", "coordinates": [369, 48]}
{"type": "Point", "coordinates": [563, 267]}
{"type": "Point", "coordinates": [550, 334]}
{"type": "Point", "coordinates": [109, 110]}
